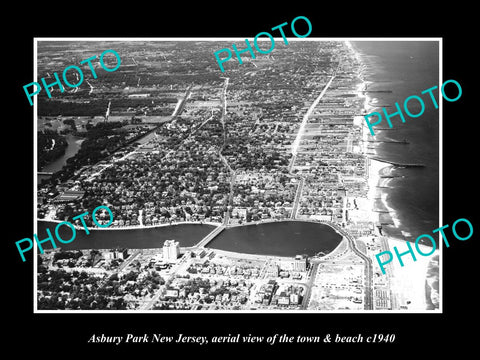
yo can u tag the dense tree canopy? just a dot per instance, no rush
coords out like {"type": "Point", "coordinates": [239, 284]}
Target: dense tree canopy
{"type": "Point", "coordinates": [50, 146]}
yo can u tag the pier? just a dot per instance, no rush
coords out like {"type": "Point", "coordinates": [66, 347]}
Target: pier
{"type": "Point", "coordinates": [404, 141]}
{"type": "Point", "coordinates": [390, 176]}
{"type": "Point", "coordinates": [44, 173]}
{"type": "Point", "coordinates": [377, 91]}
{"type": "Point", "coordinates": [394, 163]}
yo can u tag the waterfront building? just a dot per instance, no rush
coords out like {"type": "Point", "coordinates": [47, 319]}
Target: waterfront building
{"type": "Point", "coordinates": [300, 263]}
{"type": "Point", "coordinates": [297, 264]}
{"type": "Point", "coordinates": [116, 254]}
{"type": "Point", "coordinates": [271, 270]}
{"type": "Point", "coordinates": [171, 250]}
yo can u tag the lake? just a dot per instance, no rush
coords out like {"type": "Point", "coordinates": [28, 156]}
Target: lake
{"type": "Point", "coordinates": [287, 238]}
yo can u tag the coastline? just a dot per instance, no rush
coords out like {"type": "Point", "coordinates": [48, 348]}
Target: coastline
{"type": "Point", "coordinates": [409, 282]}
{"type": "Point", "coordinates": [376, 168]}
{"type": "Point", "coordinates": [415, 283]}
{"type": "Point", "coordinates": [413, 201]}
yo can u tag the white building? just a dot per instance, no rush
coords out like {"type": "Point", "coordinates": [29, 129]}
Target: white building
{"type": "Point", "coordinates": [171, 250]}
{"type": "Point", "coordinates": [297, 264]}
{"type": "Point", "coordinates": [116, 254]}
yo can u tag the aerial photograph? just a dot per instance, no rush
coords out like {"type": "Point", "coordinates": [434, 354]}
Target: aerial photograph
{"type": "Point", "coordinates": [254, 189]}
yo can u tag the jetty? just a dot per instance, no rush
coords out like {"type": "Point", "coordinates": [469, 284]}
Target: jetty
{"type": "Point", "coordinates": [390, 176]}
{"type": "Point", "coordinates": [404, 141]}
{"type": "Point", "coordinates": [377, 91]}
{"type": "Point", "coordinates": [395, 163]}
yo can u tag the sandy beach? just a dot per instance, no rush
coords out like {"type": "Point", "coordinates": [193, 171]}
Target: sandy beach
{"type": "Point", "coordinates": [408, 282]}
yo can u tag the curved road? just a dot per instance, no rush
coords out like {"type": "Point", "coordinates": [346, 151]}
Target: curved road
{"type": "Point", "coordinates": [368, 267]}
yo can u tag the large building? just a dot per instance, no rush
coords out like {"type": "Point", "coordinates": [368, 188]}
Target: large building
{"type": "Point", "coordinates": [116, 254]}
{"type": "Point", "coordinates": [298, 264]}
{"type": "Point", "coordinates": [171, 250]}
{"type": "Point", "coordinates": [271, 270]}
{"type": "Point", "coordinates": [68, 196]}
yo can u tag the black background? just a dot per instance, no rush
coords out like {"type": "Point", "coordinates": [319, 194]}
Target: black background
{"type": "Point", "coordinates": [66, 334]}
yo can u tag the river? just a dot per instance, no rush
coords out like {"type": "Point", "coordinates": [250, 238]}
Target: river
{"type": "Point", "coordinates": [73, 145]}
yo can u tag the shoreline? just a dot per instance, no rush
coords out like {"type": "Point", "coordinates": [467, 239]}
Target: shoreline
{"type": "Point", "coordinates": [412, 283]}
{"type": "Point", "coordinates": [216, 224]}
{"type": "Point", "coordinates": [238, 254]}
{"type": "Point", "coordinates": [409, 281]}
{"type": "Point", "coordinates": [139, 227]}
{"type": "Point", "coordinates": [377, 168]}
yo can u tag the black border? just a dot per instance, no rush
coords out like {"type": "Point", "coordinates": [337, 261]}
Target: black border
{"type": "Point", "coordinates": [414, 332]}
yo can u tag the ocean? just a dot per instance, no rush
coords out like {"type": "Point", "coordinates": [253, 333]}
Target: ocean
{"type": "Point", "coordinates": [412, 197]}
{"type": "Point", "coordinates": [406, 68]}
